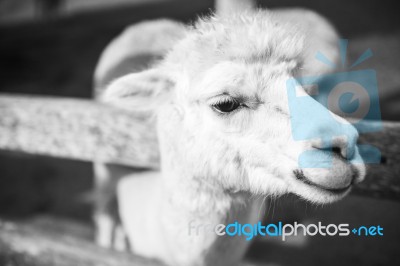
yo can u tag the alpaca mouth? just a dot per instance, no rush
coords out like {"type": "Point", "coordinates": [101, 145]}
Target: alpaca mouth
{"type": "Point", "coordinates": [301, 177]}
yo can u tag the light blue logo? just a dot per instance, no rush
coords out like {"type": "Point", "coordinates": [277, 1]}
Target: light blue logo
{"type": "Point", "coordinates": [351, 93]}
{"type": "Point", "coordinates": [281, 230]}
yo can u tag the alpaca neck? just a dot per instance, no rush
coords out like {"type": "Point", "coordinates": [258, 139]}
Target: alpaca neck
{"type": "Point", "coordinates": [195, 208]}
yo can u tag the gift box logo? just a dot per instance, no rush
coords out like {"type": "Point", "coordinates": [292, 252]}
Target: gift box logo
{"type": "Point", "coordinates": [349, 94]}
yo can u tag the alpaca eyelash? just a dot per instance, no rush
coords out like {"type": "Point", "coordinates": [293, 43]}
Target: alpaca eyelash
{"type": "Point", "coordinates": [224, 100]}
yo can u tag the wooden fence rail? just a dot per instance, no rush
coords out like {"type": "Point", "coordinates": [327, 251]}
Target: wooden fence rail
{"type": "Point", "coordinates": [76, 129]}
{"type": "Point", "coordinates": [26, 244]}
{"type": "Point", "coordinates": [88, 130]}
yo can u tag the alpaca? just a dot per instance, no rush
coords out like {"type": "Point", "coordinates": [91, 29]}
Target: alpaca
{"type": "Point", "coordinates": [217, 91]}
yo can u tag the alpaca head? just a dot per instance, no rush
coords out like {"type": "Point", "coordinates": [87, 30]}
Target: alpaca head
{"type": "Point", "coordinates": [222, 107]}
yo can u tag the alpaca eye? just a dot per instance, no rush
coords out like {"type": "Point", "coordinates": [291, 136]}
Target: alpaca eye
{"type": "Point", "coordinates": [226, 106]}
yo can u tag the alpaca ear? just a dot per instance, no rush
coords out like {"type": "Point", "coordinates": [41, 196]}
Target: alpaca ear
{"type": "Point", "coordinates": [141, 91]}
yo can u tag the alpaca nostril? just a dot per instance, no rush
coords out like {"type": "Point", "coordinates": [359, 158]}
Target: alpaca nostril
{"type": "Point", "coordinates": [337, 151]}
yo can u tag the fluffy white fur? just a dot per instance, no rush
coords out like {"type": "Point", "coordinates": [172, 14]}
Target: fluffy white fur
{"type": "Point", "coordinates": [216, 168]}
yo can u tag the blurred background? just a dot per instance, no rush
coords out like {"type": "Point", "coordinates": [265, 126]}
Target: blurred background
{"type": "Point", "coordinates": [51, 47]}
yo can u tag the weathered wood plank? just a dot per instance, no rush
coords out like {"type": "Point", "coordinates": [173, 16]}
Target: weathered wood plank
{"type": "Point", "coordinates": [23, 244]}
{"type": "Point", "coordinates": [88, 130]}
{"type": "Point", "coordinates": [383, 180]}
{"type": "Point", "coordinates": [76, 129]}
